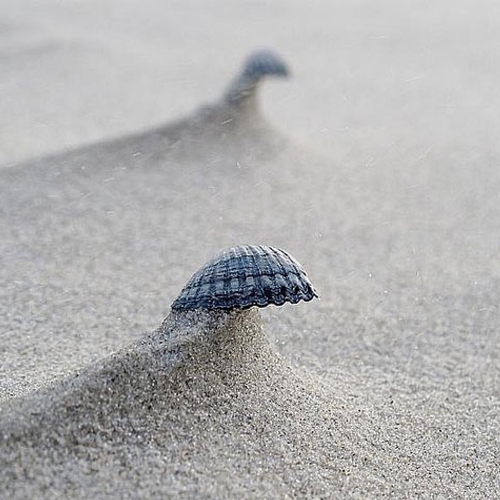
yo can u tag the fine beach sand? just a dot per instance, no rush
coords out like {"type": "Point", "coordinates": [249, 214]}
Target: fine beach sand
{"type": "Point", "coordinates": [375, 165]}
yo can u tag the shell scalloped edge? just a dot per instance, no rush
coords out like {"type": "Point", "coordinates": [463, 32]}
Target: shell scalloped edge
{"type": "Point", "coordinates": [246, 276]}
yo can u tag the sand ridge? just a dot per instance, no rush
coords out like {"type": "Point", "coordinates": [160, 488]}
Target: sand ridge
{"type": "Point", "coordinates": [218, 375]}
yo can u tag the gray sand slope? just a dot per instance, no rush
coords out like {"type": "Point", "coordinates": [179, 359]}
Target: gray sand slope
{"type": "Point", "coordinates": [204, 406]}
{"type": "Point", "coordinates": [388, 386]}
{"type": "Point", "coordinates": [198, 394]}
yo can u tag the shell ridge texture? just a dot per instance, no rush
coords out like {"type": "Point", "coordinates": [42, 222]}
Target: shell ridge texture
{"type": "Point", "coordinates": [246, 276]}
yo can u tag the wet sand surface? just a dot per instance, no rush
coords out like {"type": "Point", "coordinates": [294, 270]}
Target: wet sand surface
{"type": "Point", "coordinates": [376, 165]}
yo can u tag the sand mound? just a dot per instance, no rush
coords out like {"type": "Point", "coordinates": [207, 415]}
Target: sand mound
{"type": "Point", "coordinates": [197, 388]}
{"type": "Point", "coordinates": [204, 406]}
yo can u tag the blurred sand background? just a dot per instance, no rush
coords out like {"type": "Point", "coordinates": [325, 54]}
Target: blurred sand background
{"type": "Point", "coordinates": [370, 76]}
{"type": "Point", "coordinates": [379, 172]}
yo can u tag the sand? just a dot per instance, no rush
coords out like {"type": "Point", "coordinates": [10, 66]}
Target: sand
{"type": "Point", "coordinates": [376, 166]}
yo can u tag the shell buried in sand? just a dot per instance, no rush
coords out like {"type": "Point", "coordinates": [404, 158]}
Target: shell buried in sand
{"type": "Point", "coordinates": [246, 276]}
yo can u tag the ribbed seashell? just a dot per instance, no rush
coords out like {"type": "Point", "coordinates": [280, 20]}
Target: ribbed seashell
{"type": "Point", "coordinates": [246, 276]}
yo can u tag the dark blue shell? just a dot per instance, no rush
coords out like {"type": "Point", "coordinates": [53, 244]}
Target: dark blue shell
{"type": "Point", "coordinates": [264, 63]}
{"type": "Point", "coordinates": [246, 276]}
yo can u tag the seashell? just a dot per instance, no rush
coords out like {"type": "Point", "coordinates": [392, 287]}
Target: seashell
{"type": "Point", "coordinates": [259, 64]}
{"type": "Point", "coordinates": [246, 276]}
{"type": "Point", "coordinates": [262, 63]}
